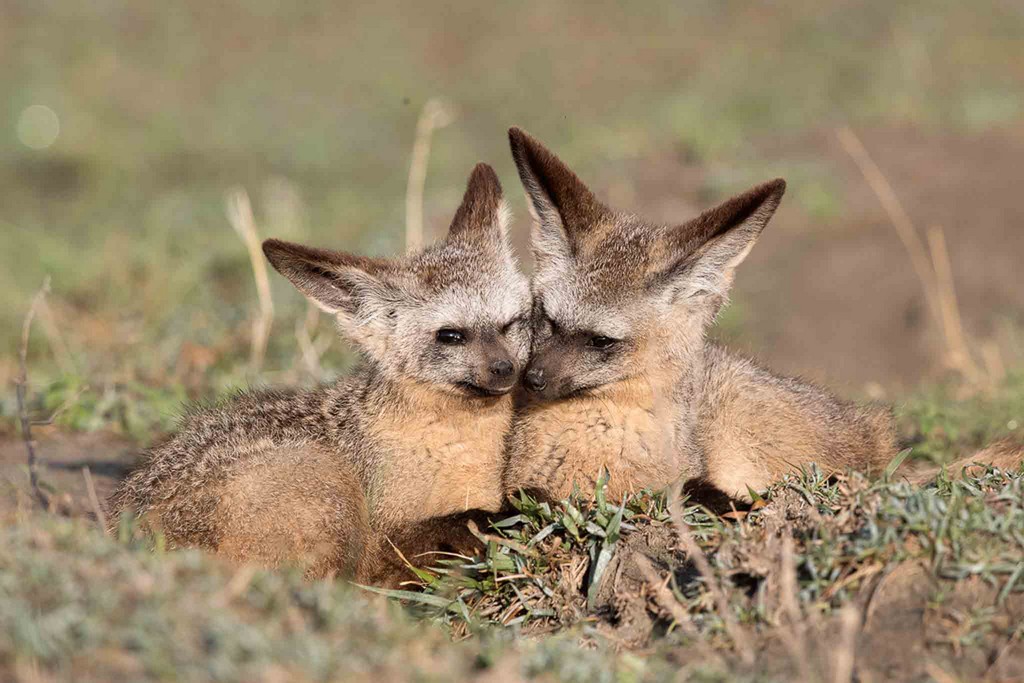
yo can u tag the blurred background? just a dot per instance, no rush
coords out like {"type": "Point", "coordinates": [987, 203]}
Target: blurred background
{"type": "Point", "coordinates": [126, 126]}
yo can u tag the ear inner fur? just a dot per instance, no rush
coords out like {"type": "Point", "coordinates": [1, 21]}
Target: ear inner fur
{"type": "Point", "coordinates": [329, 278]}
{"type": "Point", "coordinates": [752, 208]}
{"type": "Point", "coordinates": [708, 248]}
{"type": "Point", "coordinates": [549, 181]}
{"type": "Point", "coordinates": [481, 204]}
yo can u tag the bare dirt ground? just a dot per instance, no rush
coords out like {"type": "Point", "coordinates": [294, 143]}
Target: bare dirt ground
{"type": "Point", "coordinates": [836, 299]}
{"type": "Point", "coordinates": [62, 459]}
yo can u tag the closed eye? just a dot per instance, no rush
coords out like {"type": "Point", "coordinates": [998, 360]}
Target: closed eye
{"type": "Point", "coordinates": [541, 313]}
{"type": "Point", "coordinates": [508, 326]}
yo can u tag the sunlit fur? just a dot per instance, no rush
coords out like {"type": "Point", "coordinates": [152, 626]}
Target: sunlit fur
{"type": "Point", "coordinates": [660, 404]}
{"type": "Point", "coordinates": [329, 478]}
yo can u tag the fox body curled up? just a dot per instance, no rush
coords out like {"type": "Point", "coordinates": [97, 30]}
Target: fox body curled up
{"type": "Point", "coordinates": [425, 433]}
{"type": "Point", "coordinates": [330, 478]}
{"type": "Point", "coordinates": [621, 376]}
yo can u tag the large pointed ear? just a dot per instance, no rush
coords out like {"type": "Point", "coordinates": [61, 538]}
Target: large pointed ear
{"type": "Point", "coordinates": [563, 207]}
{"type": "Point", "coordinates": [351, 287]}
{"type": "Point", "coordinates": [707, 249]}
{"type": "Point", "coordinates": [483, 212]}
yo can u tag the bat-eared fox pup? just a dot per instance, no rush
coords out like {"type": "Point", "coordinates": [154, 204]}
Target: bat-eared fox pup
{"type": "Point", "coordinates": [621, 376]}
{"type": "Point", "coordinates": [394, 453]}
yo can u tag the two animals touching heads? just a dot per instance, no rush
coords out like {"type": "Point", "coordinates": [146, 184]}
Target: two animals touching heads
{"type": "Point", "coordinates": [476, 382]}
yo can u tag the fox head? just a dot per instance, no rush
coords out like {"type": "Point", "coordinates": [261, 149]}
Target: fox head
{"type": "Point", "coordinates": [454, 316]}
{"type": "Point", "coordinates": [617, 297]}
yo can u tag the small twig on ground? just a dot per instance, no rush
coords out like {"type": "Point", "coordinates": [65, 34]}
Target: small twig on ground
{"type": "Point", "coordinates": [436, 113]}
{"type": "Point", "coordinates": [21, 391]}
{"type": "Point", "coordinates": [500, 540]}
{"type": "Point", "coordinates": [696, 555]}
{"type": "Point", "coordinates": [94, 500]}
{"type": "Point", "coordinates": [239, 212]}
{"type": "Point", "coordinates": [65, 404]}
{"type": "Point", "coordinates": [663, 596]}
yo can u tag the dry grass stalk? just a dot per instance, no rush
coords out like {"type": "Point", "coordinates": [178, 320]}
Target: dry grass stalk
{"type": "Point", "coordinates": [239, 212]}
{"type": "Point", "coordinates": [794, 632]}
{"type": "Point", "coordinates": [285, 214]}
{"type": "Point", "coordinates": [500, 540]}
{"type": "Point", "coordinates": [436, 113]}
{"type": "Point", "coordinates": [236, 585]}
{"type": "Point", "coordinates": [738, 636]}
{"type": "Point", "coordinates": [846, 653]}
{"type": "Point", "coordinates": [56, 340]}
{"type": "Point", "coordinates": [995, 368]}
{"type": "Point", "coordinates": [952, 325]}
{"type": "Point", "coordinates": [938, 674]}
{"type": "Point", "coordinates": [309, 349]}
{"type": "Point", "coordinates": [931, 264]}
{"type": "Point", "coordinates": [94, 500]}
{"type": "Point", "coordinates": [21, 392]}
{"type": "Point", "coordinates": [897, 215]}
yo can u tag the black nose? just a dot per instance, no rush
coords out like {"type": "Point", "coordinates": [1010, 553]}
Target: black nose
{"type": "Point", "coordinates": [535, 379]}
{"type": "Point", "coordinates": [501, 368]}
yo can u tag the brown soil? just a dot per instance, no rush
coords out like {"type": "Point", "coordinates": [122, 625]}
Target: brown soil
{"type": "Point", "coordinates": [911, 625]}
{"type": "Point", "coordinates": [837, 300]}
{"type": "Point", "coordinates": [62, 459]}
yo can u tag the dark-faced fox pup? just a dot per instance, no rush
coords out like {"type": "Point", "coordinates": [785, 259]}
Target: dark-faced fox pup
{"type": "Point", "coordinates": [621, 375]}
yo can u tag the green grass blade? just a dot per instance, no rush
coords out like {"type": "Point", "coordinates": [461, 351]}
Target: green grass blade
{"type": "Point", "coordinates": [895, 463]}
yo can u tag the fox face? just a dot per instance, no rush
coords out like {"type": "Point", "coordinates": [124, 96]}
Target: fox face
{"type": "Point", "coordinates": [454, 317]}
{"type": "Point", "coordinates": [618, 298]}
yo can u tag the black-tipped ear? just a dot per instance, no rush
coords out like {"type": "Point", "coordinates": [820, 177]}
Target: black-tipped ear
{"type": "Point", "coordinates": [708, 248]}
{"type": "Point", "coordinates": [558, 199]}
{"type": "Point", "coordinates": [337, 282]}
{"type": "Point", "coordinates": [482, 205]}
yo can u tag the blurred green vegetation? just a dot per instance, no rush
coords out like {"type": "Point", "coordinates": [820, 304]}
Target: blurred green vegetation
{"type": "Point", "coordinates": [164, 106]}
{"type": "Point", "coordinates": [82, 606]}
{"type": "Point", "coordinates": [940, 422]}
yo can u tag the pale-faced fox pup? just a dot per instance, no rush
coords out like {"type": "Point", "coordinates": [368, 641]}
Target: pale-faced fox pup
{"type": "Point", "coordinates": [621, 376]}
{"type": "Point", "coordinates": [328, 477]}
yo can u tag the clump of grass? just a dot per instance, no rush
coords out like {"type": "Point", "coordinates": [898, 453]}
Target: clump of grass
{"type": "Point", "coordinates": [78, 605]}
{"type": "Point", "coordinates": [532, 556]}
{"type": "Point", "coordinates": [551, 567]}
